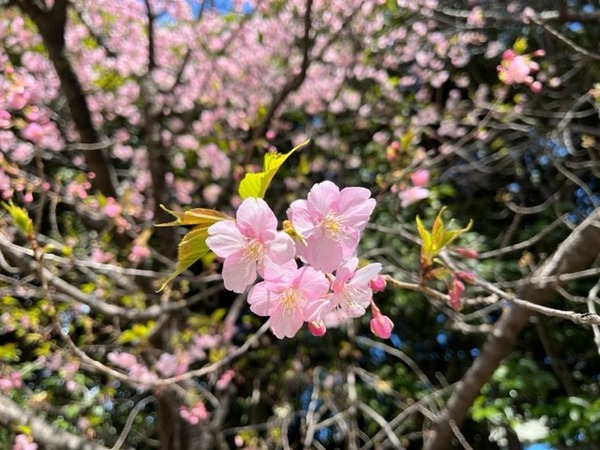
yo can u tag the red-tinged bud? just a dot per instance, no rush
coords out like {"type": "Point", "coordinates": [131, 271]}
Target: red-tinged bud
{"type": "Point", "coordinates": [466, 252]}
{"type": "Point", "coordinates": [317, 328]}
{"type": "Point", "coordinates": [377, 283]}
{"type": "Point", "coordinates": [467, 277]}
{"type": "Point", "coordinates": [455, 290]}
{"type": "Point", "coordinates": [382, 326]}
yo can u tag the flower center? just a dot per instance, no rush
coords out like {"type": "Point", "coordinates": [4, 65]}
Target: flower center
{"type": "Point", "coordinates": [331, 226]}
{"type": "Point", "coordinates": [290, 300]}
{"type": "Point", "coordinates": [254, 250]}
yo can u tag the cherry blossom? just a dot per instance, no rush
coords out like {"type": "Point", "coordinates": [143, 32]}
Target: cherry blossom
{"type": "Point", "coordinates": [297, 296]}
{"type": "Point", "coordinates": [194, 415]}
{"type": "Point", "coordinates": [24, 442]}
{"type": "Point", "coordinates": [330, 222]}
{"type": "Point", "coordinates": [251, 244]}
{"type": "Point", "coordinates": [351, 289]}
{"type": "Point", "coordinates": [412, 195]}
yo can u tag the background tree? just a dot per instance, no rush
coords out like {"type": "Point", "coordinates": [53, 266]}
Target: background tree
{"type": "Point", "coordinates": [110, 109]}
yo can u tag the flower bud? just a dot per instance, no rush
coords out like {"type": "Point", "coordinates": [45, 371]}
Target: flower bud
{"type": "Point", "coordinates": [381, 326]}
{"type": "Point", "coordinates": [455, 290]}
{"type": "Point", "coordinates": [377, 283]}
{"type": "Point", "coordinates": [466, 252]}
{"type": "Point", "coordinates": [317, 328]}
{"type": "Point", "coordinates": [467, 277]}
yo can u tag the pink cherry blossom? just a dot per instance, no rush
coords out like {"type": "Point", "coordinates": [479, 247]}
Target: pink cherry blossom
{"type": "Point", "coordinates": [251, 244]}
{"type": "Point", "coordinates": [5, 117]}
{"type": "Point", "coordinates": [330, 221]}
{"type": "Point", "coordinates": [297, 296]}
{"type": "Point", "coordinates": [24, 442]}
{"type": "Point", "coordinates": [412, 195]}
{"type": "Point", "coordinates": [33, 132]}
{"type": "Point", "coordinates": [351, 290]}
{"type": "Point", "coordinates": [194, 415]}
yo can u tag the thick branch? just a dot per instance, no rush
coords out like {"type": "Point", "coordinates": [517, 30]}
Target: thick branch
{"type": "Point", "coordinates": [577, 252]}
{"type": "Point", "coordinates": [293, 83]}
{"type": "Point", "coordinates": [51, 25]}
{"type": "Point", "coordinates": [49, 436]}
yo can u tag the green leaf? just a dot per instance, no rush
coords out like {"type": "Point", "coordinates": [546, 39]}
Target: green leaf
{"type": "Point", "coordinates": [520, 45]}
{"type": "Point", "coordinates": [426, 249]}
{"type": "Point", "coordinates": [20, 217]}
{"type": "Point", "coordinates": [191, 248]}
{"type": "Point", "coordinates": [256, 184]}
{"type": "Point", "coordinates": [9, 352]}
{"type": "Point", "coordinates": [196, 216]}
{"type": "Point", "coordinates": [137, 333]}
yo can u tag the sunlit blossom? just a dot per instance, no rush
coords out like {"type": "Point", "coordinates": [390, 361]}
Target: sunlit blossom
{"type": "Point", "coordinates": [351, 288]}
{"type": "Point", "coordinates": [297, 296]}
{"type": "Point", "coordinates": [330, 221]}
{"type": "Point", "coordinates": [250, 245]}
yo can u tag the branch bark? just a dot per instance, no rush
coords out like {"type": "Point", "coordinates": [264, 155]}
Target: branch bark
{"type": "Point", "coordinates": [577, 252]}
{"type": "Point", "coordinates": [51, 25]}
{"type": "Point", "coordinates": [44, 433]}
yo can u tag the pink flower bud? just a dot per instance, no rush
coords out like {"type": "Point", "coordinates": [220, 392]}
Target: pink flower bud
{"type": "Point", "coordinates": [317, 328]}
{"type": "Point", "coordinates": [377, 283]}
{"type": "Point", "coordinates": [381, 326]}
{"type": "Point", "coordinates": [455, 291]}
{"type": "Point", "coordinates": [536, 87]}
{"type": "Point", "coordinates": [467, 277]}
{"type": "Point", "coordinates": [466, 252]}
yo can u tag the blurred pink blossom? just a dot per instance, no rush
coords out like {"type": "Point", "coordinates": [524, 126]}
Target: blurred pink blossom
{"type": "Point", "coordinates": [24, 442]}
{"type": "Point", "coordinates": [194, 415]}
{"type": "Point", "coordinates": [112, 209]}
{"type": "Point", "coordinates": [420, 177]}
{"type": "Point", "coordinates": [412, 195]}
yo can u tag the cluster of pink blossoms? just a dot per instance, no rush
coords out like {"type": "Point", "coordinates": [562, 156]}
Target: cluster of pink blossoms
{"type": "Point", "coordinates": [326, 227]}
{"type": "Point", "coordinates": [519, 69]}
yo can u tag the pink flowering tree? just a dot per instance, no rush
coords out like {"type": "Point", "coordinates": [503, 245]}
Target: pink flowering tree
{"type": "Point", "coordinates": [159, 288]}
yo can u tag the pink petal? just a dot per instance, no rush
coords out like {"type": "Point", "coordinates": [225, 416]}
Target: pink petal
{"type": "Point", "coordinates": [349, 242]}
{"type": "Point", "coordinates": [280, 246]}
{"type": "Point", "coordinates": [260, 300]}
{"type": "Point", "coordinates": [224, 238]}
{"type": "Point", "coordinates": [238, 272]}
{"type": "Point", "coordinates": [317, 309]}
{"type": "Point", "coordinates": [344, 273]}
{"type": "Point", "coordinates": [285, 322]}
{"type": "Point", "coordinates": [273, 271]}
{"type": "Point", "coordinates": [363, 276]}
{"type": "Point", "coordinates": [313, 283]}
{"type": "Point", "coordinates": [322, 199]}
{"type": "Point", "coordinates": [323, 254]}
{"type": "Point", "coordinates": [254, 217]}
{"type": "Point", "coordinates": [300, 218]}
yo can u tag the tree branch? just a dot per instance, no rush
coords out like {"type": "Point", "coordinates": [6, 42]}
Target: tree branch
{"type": "Point", "coordinates": [48, 435]}
{"type": "Point", "coordinates": [51, 25]}
{"type": "Point", "coordinates": [579, 250]}
{"type": "Point", "coordinates": [293, 83]}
